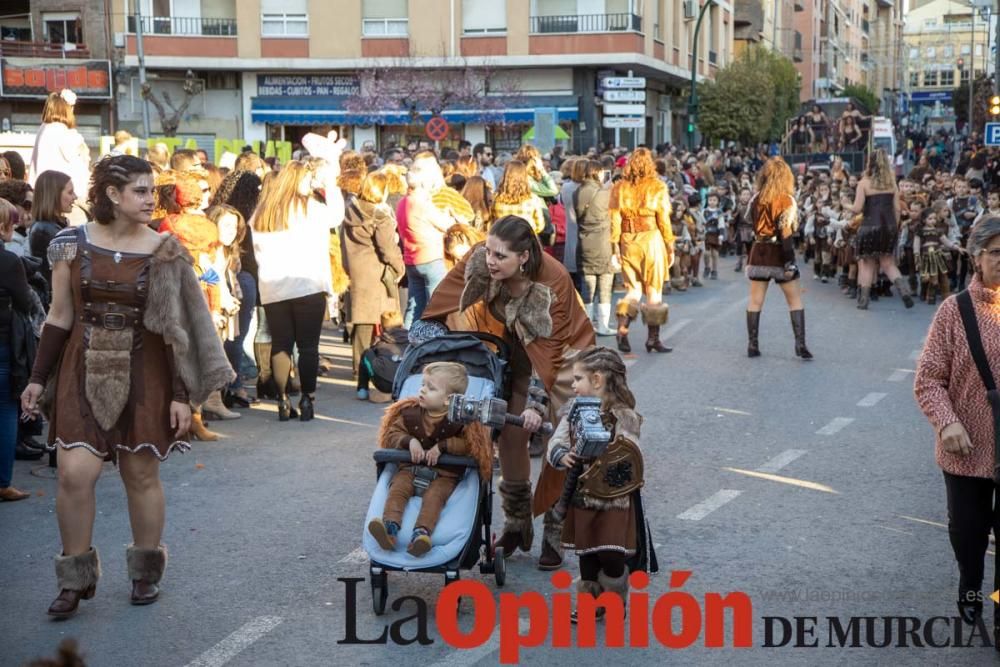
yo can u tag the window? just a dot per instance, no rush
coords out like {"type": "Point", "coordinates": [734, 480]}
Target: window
{"type": "Point", "coordinates": [484, 16]}
{"type": "Point", "coordinates": [63, 28]}
{"type": "Point", "coordinates": [914, 79]}
{"type": "Point", "coordinates": [914, 53]}
{"type": "Point", "coordinates": [388, 18]}
{"type": "Point", "coordinates": [658, 20]}
{"type": "Point", "coordinates": [947, 77]}
{"type": "Point", "coordinates": [554, 8]}
{"type": "Point", "coordinates": [966, 49]}
{"type": "Point", "coordinates": [930, 77]}
{"type": "Point", "coordinates": [930, 23]}
{"type": "Point", "coordinates": [979, 50]}
{"type": "Point", "coordinates": [965, 76]}
{"type": "Point", "coordinates": [948, 52]}
{"type": "Point", "coordinates": [930, 52]}
{"type": "Point", "coordinates": [284, 18]}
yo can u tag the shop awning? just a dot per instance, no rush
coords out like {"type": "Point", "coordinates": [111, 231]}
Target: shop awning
{"type": "Point", "coordinates": [312, 110]}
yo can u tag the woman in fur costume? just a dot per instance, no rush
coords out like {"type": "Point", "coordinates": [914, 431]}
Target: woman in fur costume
{"type": "Point", "coordinates": [643, 238]}
{"type": "Point", "coordinates": [508, 287]}
{"type": "Point", "coordinates": [127, 344]}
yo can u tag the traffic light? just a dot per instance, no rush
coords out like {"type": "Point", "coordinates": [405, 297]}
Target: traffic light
{"type": "Point", "coordinates": [691, 125]}
{"type": "Point", "coordinates": [995, 105]}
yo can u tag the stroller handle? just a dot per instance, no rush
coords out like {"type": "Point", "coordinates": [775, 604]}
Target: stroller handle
{"type": "Point", "coordinates": [503, 349]}
{"type": "Point", "coordinates": [402, 456]}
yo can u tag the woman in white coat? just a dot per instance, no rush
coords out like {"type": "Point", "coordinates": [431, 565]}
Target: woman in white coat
{"type": "Point", "coordinates": [58, 144]}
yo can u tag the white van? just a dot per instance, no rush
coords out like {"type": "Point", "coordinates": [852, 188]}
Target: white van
{"type": "Point", "coordinates": [883, 135]}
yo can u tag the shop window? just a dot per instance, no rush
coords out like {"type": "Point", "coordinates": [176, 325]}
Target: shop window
{"type": "Point", "coordinates": [284, 18]}
{"type": "Point", "coordinates": [914, 79]}
{"type": "Point", "coordinates": [930, 77]}
{"type": "Point", "coordinates": [947, 77]}
{"type": "Point", "coordinates": [63, 28]}
{"type": "Point", "coordinates": [388, 18]}
{"type": "Point", "coordinates": [484, 16]}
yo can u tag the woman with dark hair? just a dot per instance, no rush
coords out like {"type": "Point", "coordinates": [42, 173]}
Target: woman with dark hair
{"type": "Point", "coordinates": [800, 136]}
{"type": "Point", "coordinates": [963, 347]}
{"type": "Point", "coordinates": [818, 123]}
{"type": "Point", "coordinates": [850, 134]}
{"type": "Point", "coordinates": [128, 342]}
{"type": "Point", "coordinates": [54, 198]}
{"type": "Point", "coordinates": [510, 288]}
{"type": "Point", "coordinates": [479, 194]}
{"type": "Point", "coordinates": [775, 218]}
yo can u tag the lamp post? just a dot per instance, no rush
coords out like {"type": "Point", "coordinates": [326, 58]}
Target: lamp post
{"type": "Point", "coordinates": [693, 99]}
{"type": "Point", "coordinates": [142, 66]}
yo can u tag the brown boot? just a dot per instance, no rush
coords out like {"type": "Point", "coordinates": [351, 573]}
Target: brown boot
{"type": "Point", "coordinates": [198, 431]}
{"type": "Point", "coordinates": [616, 585]}
{"type": "Point", "coordinates": [654, 315]}
{"type": "Point", "coordinates": [594, 590]}
{"type": "Point", "coordinates": [518, 532]}
{"type": "Point", "coordinates": [77, 579]}
{"type": "Point", "coordinates": [145, 569]}
{"type": "Point", "coordinates": [10, 494]}
{"type": "Point", "coordinates": [626, 311]}
{"type": "Point", "coordinates": [551, 558]}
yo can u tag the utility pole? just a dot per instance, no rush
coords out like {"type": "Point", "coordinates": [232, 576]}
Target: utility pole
{"type": "Point", "coordinates": [142, 66]}
{"type": "Point", "coordinates": [972, 69]}
{"type": "Point", "coordinates": [693, 99]}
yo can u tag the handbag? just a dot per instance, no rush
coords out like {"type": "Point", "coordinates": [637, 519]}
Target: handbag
{"type": "Point", "coordinates": [969, 321]}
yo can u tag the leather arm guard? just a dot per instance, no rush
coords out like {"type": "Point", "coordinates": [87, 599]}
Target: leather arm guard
{"type": "Point", "coordinates": [49, 348]}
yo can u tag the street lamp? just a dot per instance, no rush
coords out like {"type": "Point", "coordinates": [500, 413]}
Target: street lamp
{"type": "Point", "coordinates": [693, 99]}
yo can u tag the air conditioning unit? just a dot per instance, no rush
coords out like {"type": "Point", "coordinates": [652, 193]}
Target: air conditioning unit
{"type": "Point", "coordinates": [690, 9]}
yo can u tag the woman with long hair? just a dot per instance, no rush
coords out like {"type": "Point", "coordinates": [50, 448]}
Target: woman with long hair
{"type": "Point", "coordinates": [515, 197]}
{"type": "Point", "coordinates": [877, 199]}
{"type": "Point", "coordinates": [775, 218]}
{"type": "Point", "coordinates": [851, 136]}
{"type": "Point", "coordinates": [54, 199]}
{"type": "Point", "coordinates": [541, 182]}
{"type": "Point", "coordinates": [479, 194]}
{"type": "Point", "coordinates": [128, 342]}
{"type": "Point", "coordinates": [458, 241]}
{"type": "Point", "coordinates": [818, 123]}
{"type": "Point", "coordinates": [510, 288]}
{"type": "Point", "coordinates": [291, 242]}
{"type": "Point", "coordinates": [800, 136]}
{"type": "Point", "coordinates": [59, 146]}
{"type": "Point", "coordinates": [593, 248]}
{"type": "Point", "coordinates": [642, 237]}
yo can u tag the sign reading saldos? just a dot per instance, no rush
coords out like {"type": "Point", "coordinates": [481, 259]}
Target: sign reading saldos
{"type": "Point", "coordinates": [89, 79]}
{"type": "Point", "coordinates": [307, 85]}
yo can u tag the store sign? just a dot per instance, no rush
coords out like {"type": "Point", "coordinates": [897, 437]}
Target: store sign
{"type": "Point", "coordinates": [22, 77]}
{"type": "Point", "coordinates": [306, 85]}
{"type": "Point", "coordinates": [624, 122]}
{"type": "Point", "coordinates": [624, 95]}
{"type": "Point", "coordinates": [623, 82]}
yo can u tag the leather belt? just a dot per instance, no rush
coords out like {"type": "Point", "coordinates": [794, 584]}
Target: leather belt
{"type": "Point", "coordinates": [111, 316]}
{"type": "Point", "coordinates": [767, 239]}
{"type": "Point", "coordinates": [638, 225]}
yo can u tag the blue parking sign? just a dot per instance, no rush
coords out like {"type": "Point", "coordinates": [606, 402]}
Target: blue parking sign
{"type": "Point", "coordinates": [992, 134]}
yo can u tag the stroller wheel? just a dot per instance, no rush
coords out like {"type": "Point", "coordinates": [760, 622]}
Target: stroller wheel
{"type": "Point", "coordinates": [380, 592]}
{"type": "Point", "coordinates": [499, 567]}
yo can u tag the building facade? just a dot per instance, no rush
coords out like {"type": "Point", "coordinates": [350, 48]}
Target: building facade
{"type": "Point", "coordinates": [275, 69]}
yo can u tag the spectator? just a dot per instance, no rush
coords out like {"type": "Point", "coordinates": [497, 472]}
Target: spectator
{"type": "Point", "coordinates": [515, 197]}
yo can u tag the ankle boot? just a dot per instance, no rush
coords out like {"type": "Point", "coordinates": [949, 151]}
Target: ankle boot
{"type": "Point", "coordinates": [864, 296]}
{"type": "Point", "coordinates": [798, 318]}
{"type": "Point", "coordinates": [552, 556]}
{"type": "Point", "coordinates": [739, 264]}
{"type": "Point", "coordinates": [198, 431]}
{"type": "Point", "coordinates": [626, 311]}
{"type": "Point", "coordinates": [285, 409]}
{"type": "Point", "coordinates": [77, 580]}
{"type": "Point", "coordinates": [654, 315]}
{"type": "Point", "coordinates": [753, 329]}
{"type": "Point", "coordinates": [306, 412]}
{"type": "Point", "coordinates": [603, 315]}
{"type": "Point", "coordinates": [852, 289]}
{"type": "Point", "coordinates": [617, 585]}
{"type": "Point", "coordinates": [904, 292]}
{"type": "Point", "coordinates": [145, 569]}
{"type": "Point", "coordinates": [214, 408]}
{"type": "Point", "coordinates": [592, 588]}
{"type": "Point", "coordinates": [518, 532]}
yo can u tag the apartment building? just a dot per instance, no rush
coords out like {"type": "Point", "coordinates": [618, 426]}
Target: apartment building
{"type": "Point", "coordinates": [945, 41]}
{"type": "Point", "coordinates": [275, 69]}
{"type": "Point", "coordinates": [47, 45]}
{"type": "Point", "coordinates": [767, 22]}
{"type": "Point", "coordinates": [836, 45]}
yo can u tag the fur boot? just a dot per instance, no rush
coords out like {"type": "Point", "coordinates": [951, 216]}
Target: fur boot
{"type": "Point", "coordinates": [616, 585]}
{"type": "Point", "coordinates": [584, 587]}
{"type": "Point", "coordinates": [518, 532]}
{"type": "Point", "coordinates": [904, 292]}
{"type": "Point", "coordinates": [77, 578]}
{"type": "Point", "coordinates": [654, 316]}
{"type": "Point", "coordinates": [552, 555]}
{"type": "Point", "coordinates": [145, 569]}
{"type": "Point", "coordinates": [627, 310]}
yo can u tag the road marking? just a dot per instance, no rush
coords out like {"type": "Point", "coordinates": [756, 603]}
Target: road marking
{"type": "Point", "coordinates": [915, 355]}
{"type": "Point", "coordinates": [896, 530]}
{"type": "Point", "coordinates": [731, 411]}
{"type": "Point", "coordinates": [357, 556]}
{"type": "Point", "coordinates": [919, 520]}
{"type": "Point", "coordinates": [709, 505]}
{"type": "Point", "coordinates": [471, 656]}
{"type": "Point", "coordinates": [237, 642]}
{"type": "Point", "coordinates": [781, 460]}
{"type": "Point", "coordinates": [805, 484]}
{"type": "Point", "coordinates": [871, 399]}
{"type": "Point", "coordinates": [900, 374]}
{"type": "Point", "coordinates": [835, 425]}
{"type": "Point", "coordinates": [675, 327]}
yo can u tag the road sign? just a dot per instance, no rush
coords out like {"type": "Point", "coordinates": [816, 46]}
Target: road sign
{"type": "Point", "coordinates": [992, 134]}
{"type": "Point", "coordinates": [627, 95]}
{"type": "Point", "coordinates": [624, 82]}
{"type": "Point", "coordinates": [624, 109]}
{"type": "Point", "coordinates": [624, 122]}
{"type": "Point", "coordinates": [436, 128]}
{"type": "Point", "coordinates": [545, 129]}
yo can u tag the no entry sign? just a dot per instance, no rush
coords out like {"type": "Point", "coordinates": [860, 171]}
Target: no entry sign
{"type": "Point", "coordinates": [436, 128]}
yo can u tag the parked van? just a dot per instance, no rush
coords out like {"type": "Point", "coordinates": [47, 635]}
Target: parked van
{"type": "Point", "coordinates": [884, 135]}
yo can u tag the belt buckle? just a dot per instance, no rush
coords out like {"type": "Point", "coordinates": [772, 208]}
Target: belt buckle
{"type": "Point", "coordinates": [114, 321]}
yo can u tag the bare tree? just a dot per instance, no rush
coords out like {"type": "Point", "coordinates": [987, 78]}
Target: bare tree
{"type": "Point", "coordinates": [169, 122]}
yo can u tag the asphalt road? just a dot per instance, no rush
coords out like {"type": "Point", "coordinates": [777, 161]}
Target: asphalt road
{"type": "Point", "coordinates": [811, 487]}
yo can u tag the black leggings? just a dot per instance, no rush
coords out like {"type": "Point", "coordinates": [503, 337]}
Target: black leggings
{"type": "Point", "coordinates": [296, 323]}
{"type": "Point", "coordinates": [612, 562]}
{"type": "Point", "coordinates": [972, 512]}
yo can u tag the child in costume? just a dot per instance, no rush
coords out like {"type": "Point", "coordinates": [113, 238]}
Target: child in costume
{"type": "Point", "coordinates": [601, 521]}
{"type": "Point", "coordinates": [421, 425]}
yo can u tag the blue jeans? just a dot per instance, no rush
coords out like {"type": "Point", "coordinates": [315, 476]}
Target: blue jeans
{"type": "Point", "coordinates": [234, 348]}
{"type": "Point", "coordinates": [422, 279]}
{"type": "Point", "coordinates": [8, 420]}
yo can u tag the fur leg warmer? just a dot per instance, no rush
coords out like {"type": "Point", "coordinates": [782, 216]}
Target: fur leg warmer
{"type": "Point", "coordinates": [515, 499]}
{"type": "Point", "coordinates": [627, 308]}
{"type": "Point", "coordinates": [655, 314]}
{"type": "Point", "coordinates": [80, 572]}
{"type": "Point", "coordinates": [616, 585]}
{"type": "Point", "coordinates": [552, 533]}
{"type": "Point", "coordinates": [146, 564]}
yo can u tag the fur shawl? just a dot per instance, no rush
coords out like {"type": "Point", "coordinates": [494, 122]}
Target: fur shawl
{"type": "Point", "coordinates": [176, 310]}
{"type": "Point", "coordinates": [528, 315]}
{"type": "Point", "coordinates": [476, 437]}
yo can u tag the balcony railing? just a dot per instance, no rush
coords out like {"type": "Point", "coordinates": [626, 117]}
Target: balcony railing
{"type": "Point", "coordinates": [184, 26]}
{"type": "Point", "coordinates": [586, 23]}
{"type": "Point", "coordinates": [15, 49]}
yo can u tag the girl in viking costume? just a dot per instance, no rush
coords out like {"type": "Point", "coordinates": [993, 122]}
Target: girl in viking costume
{"type": "Point", "coordinates": [641, 233]}
{"type": "Point", "coordinates": [600, 519]}
{"type": "Point", "coordinates": [510, 288]}
{"type": "Point", "coordinates": [127, 344]}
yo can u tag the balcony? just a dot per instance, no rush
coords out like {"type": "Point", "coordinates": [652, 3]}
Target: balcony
{"type": "Point", "coordinates": [885, 3]}
{"type": "Point", "coordinates": [797, 47]}
{"type": "Point", "coordinates": [865, 26]}
{"type": "Point", "coordinates": [14, 49]}
{"type": "Point", "coordinates": [184, 26]}
{"type": "Point", "coordinates": [577, 23]}
{"type": "Point", "coordinates": [800, 5]}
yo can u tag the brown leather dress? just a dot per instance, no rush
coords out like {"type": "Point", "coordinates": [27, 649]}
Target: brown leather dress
{"type": "Point", "coordinates": [109, 293]}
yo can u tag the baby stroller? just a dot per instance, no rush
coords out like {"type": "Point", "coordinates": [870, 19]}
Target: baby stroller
{"type": "Point", "coordinates": [461, 539]}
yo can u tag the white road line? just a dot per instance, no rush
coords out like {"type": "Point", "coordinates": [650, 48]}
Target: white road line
{"type": "Point", "coordinates": [871, 399]}
{"type": "Point", "coordinates": [471, 656]}
{"type": "Point", "coordinates": [237, 642]}
{"type": "Point", "coordinates": [900, 374]}
{"type": "Point", "coordinates": [781, 460]}
{"type": "Point", "coordinates": [835, 425]}
{"type": "Point", "coordinates": [731, 411]}
{"type": "Point", "coordinates": [709, 505]}
{"type": "Point", "coordinates": [359, 555]}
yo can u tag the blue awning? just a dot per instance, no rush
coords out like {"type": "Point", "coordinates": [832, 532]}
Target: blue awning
{"type": "Point", "coordinates": [320, 110]}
